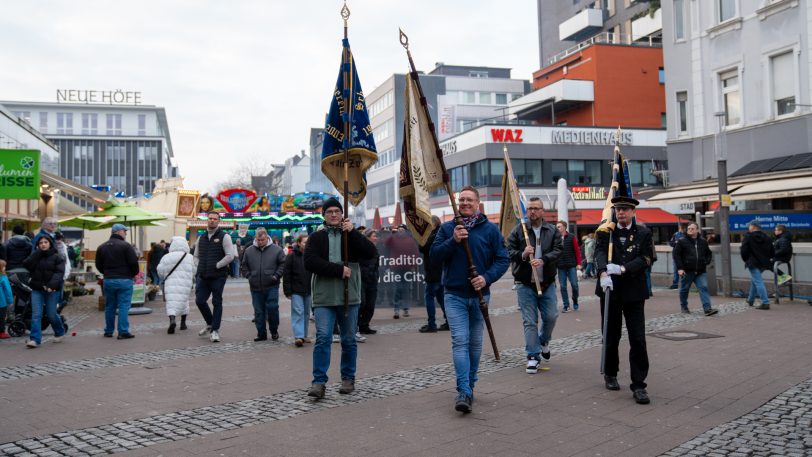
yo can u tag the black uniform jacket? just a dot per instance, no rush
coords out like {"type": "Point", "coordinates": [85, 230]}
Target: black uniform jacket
{"type": "Point", "coordinates": [635, 256]}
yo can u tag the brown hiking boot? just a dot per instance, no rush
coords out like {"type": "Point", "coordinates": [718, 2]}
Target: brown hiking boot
{"type": "Point", "coordinates": [347, 386]}
{"type": "Point", "coordinates": [316, 391]}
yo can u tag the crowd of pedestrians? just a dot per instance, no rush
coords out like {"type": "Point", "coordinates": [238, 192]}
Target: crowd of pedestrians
{"type": "Point", "coordinates": [542, 257]}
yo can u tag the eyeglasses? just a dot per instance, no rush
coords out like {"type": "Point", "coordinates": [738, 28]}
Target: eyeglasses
{"type": "Point", "coordinates": [333, 211]}
{"type": "Point", "coordinates": [535, 209]}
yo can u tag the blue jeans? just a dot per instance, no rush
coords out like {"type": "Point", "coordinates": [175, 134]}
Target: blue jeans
{"type": "Point", "coordinates": [326, 318]}
{"type": "Point", "coordinates": [266, 307]}
{"type": "Point", "coordinates": [434, 290]}
{"type": "Point", "coordinates": [675, 279]}
{"type": "Point", "coordinates": [401, 294]}
{"type": "Point", "coordinates": [563, 275]}
{"type": "Point", "coordinates": [589, 271]}
{"type": "Point", "coordinates": [531, 305]}
{"type": "Point", "coordinates": [214, 287]}
{"type": "Point", "coordinates": [757, 285]}
{"type": "Point", "coordinates": [299, 313]}
{"type": "Point", "coordinates": [466, 323]}
{"type": "Point", "coordinates": [701, 281]}
{"type": "Point", "coordinates": [49, 300]}
{"type": "Point", "coordinates": [118, 294]}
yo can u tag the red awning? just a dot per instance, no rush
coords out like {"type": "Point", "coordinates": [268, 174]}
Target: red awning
{"type": "Point", "coordinates": [648, 216]}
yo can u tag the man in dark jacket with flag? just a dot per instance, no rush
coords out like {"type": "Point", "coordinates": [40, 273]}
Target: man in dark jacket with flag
{"type": "Point", "coordinates": [461, 292]}
{"type": "Point", "coordinates": [692, 256]}
{"type": "Point", "coordinates": [542, 253]}
{"type": "Point", "coordinates": [757, 251]}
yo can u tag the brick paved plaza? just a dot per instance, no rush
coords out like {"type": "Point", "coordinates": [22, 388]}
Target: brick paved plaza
{"type": "Point", "coordinates": [739, 383]}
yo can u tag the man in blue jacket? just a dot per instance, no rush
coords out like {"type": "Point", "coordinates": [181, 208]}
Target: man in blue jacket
{"type": "Point", "coordinates": [461, 298]}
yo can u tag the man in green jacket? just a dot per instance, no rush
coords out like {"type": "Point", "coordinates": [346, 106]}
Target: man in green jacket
{"type": "Point", "coordinates": [323, 257]}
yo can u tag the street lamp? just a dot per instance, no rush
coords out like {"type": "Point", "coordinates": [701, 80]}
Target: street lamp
{"type": "Point", "coordinates": [724, 206]}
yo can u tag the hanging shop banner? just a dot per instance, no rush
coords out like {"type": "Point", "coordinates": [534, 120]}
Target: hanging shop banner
{"type": "Point", "coordinates": [19, 174]}
{"type": "Point", "coordinates": [236, 200]}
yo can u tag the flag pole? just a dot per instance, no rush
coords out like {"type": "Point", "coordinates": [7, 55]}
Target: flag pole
{"type": "Point", "coordinates": [514, 189]}
{"type": "Point", "coordinates": [348, 103]}
{"type": "Point", "coordinates": [472, 272]}
{"type": "Point", "coordinates": [607, 292]}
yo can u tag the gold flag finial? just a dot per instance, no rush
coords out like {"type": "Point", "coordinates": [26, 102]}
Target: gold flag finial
{"type": "Point", "coordinates": [345, 13]}
{"type": "Point", "coordinates": [404, 40]}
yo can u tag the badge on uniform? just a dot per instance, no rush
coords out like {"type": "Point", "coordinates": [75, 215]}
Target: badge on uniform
{"type": "Point", "coordinates": [216, 240]}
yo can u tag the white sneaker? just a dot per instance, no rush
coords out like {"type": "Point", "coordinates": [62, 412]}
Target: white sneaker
{"type": "Point", "coordinates": [58, 339]}
{"type": "Point", "coordinates": [31, 344]}
{"type": "Point", "coordinates": [532, 366]}
{"type": "Point", "coordinates": [214, 337]}
{"type": "Point", "coordinates": [336, 338]}
{"type": "Point", "coordinates": [204, 331]}
{"type": "Point", "coordinates": [360, 338]}
{"type": "Point", "coordinates": [545, 354]}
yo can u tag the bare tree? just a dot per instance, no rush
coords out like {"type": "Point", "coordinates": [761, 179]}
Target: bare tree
{"type": "Point", "coordinates": [241, 172]}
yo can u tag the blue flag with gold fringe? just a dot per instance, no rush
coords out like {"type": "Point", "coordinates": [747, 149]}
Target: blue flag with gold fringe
{"type": "Point", "coordinates": [348, 114]}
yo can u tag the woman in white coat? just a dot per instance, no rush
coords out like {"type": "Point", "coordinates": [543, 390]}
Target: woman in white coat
{"type": "Point", "coordinates": [177, 275]}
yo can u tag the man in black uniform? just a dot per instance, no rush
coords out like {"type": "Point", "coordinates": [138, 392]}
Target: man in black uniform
{"type": "Point", "coordinates": [625, 277]}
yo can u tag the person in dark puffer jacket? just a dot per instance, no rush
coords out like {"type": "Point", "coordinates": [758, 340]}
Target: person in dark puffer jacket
{"type": "Point", "coordinates": [757, 251]}
{"type": "Point", "coordinates": [783, 250]}
{"type": "Point", "coordinates": [116, 259]}
{"type": "Point", "coordinates": [693, 255]}
{"type": "Point", "coordinates": [47, 268]}
{"type": "Point", "coordinates": [18, 248]}
{"type": "Point", "coordinates": [296, 286]}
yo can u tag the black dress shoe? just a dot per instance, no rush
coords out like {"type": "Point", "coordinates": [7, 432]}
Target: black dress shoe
{"type": "Point", "coordinates": [611, 382]}
{"type": "Point", "coordinates": [428, 329]}
{"type": "Point", "coordinates": [261, 338]}
{"type": "Point", "coordinates": [367, 331]}
{"type": "Point", "coordinates": [108, 335]}
{"type": "Point", "coordinates": [444, 327]}
{"type": "Point", "coordinates": [274, 336]}
{"type": "Point", "coordinates": [641, 397]}
{"type": "Point", "coordinates": [125, 336]}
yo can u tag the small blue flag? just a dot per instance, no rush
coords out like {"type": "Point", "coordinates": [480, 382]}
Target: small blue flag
{"type": "Point", "coordinates": [348, 107]}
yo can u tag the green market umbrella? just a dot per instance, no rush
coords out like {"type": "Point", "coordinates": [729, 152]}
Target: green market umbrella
{"type": "Point", "coordinates": [124, 213]}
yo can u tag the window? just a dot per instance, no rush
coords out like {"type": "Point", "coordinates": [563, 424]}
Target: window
{"type": "Point", "coordinates": [90, 124]}
{"type": "Point", "coordinates": [727, 9]}
{"type": "Point", "coordinates": [679, 20]}
{"type": "Point", "coordinates": [487, 173]}
{"type": "Point", "coordinates": [64, 123]}
{"type": "Point", "coordinates": [610, 5]}
{"type": "Point", "coordinates": [142, 124]}
{"type": "Point", "coordinates": [459, 177]}
{"type": "Point", "coordinates": [682, 109]}
{"type": "Point", "coordinates": [663, 121]}
{"type": "Point", "coordinates": [783, 82]}
{"type": "Point", "coordinates": [468, 97]}
{"type": "Point", "coordinates": [559, 170]}
{"type": "Point", "coordinates": [383, 131]}
{"type": "Point", "coordinates": [642, 172]}
{"type": "Point", "coordinates": [661, 75]}
{"type": "Point", "coordinates": [114, 124]}
{"type": "Point", "coordinates": [527, 171]}
{"type": "Point", "coordinates": [484, 98]}
{"type": "Point", "coordinates": [501, 99]}
{"type": "Point", "coordinates": [478, 74]}
{"type": "Point", "coordinates": [43, 122]}
{"type": "Point", "coordinates": [731, 97]}
{"type": "Point", "coordinates": [24, 115]}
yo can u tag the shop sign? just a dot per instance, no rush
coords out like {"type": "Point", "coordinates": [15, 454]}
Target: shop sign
{"type": "Point", "coordinates": [588, 193]}
{"type": "Point", "coordinates": [739, 222]}
{"type": "Point", "coordinates": [109, 97]}
{"type": "Point", "coordinates": [507, 135]}
{"type": "Point", "coordinates": [591, 137]}
{"type": "Point", "coordinates": [449, 148]}
{"type": "Point", "coordinates": [236, 200]}
{"type": "Point", "coordinates": [19, 174]}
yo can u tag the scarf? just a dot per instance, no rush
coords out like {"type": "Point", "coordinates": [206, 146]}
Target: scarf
{"type": "Point", "coordinates": [469, 222]}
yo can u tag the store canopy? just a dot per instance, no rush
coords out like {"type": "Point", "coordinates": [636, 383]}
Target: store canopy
{"type": "Point", "coordinates": [648, 216]}
{"type": "Point", "coordinates": [694, 195]}
{"type": "Point", "coordinates": [75, 189]}
{"type": "Point", "coordinates": [779, 188]}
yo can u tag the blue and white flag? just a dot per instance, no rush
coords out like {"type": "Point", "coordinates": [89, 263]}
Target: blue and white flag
{"type": "Point", "coordinates": [348, 107]}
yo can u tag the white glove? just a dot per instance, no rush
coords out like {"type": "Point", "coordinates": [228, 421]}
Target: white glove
{"type": "Point", "coordinates": [606, 283]}
{"type": "Point", "coordinates": [613, 269]}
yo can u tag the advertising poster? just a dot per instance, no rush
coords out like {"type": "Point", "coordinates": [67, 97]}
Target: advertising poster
{"type": "Point", "coordinates": [19, 174]}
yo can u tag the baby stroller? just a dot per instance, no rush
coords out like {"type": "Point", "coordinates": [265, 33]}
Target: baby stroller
{"type": "Point", "coordinates": [21, 309]}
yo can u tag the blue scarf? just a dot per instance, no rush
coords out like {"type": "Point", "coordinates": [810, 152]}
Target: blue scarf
{"type": "Point", "coordinates": [470, 222]}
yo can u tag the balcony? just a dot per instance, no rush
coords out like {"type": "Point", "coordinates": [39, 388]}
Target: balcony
{"type": "Point", "coordinates": [559, 96]}
{"type": "Point", "coordinates": [648, 25]}
{"type": "Point", "coordinates": [608, 38]}
{"type": "Point", "coordinates": [581, 25]}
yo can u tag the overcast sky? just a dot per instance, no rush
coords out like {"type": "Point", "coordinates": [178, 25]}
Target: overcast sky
{"type": "Point", "coordinates": [246, 78]}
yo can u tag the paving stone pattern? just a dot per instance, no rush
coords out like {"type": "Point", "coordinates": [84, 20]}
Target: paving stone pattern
{"type": "Point", "coordinates": [782, 426]}
{"type": "Point", "coordinates": [138, 433]}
